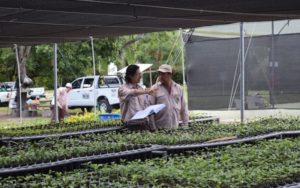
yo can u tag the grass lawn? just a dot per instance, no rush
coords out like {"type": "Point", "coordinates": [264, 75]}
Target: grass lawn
{"type": "Point", "coordinates": [15, 122]}
{"type": "Point", "coordinates": [4, 109]}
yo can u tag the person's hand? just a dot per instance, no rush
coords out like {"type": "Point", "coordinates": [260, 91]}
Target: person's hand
{"type": "Point", "coordinates": [66, 111]}
{"type": "Point", "coordinates": [59, 106]}
{"type": "Point", "coordinates": [146, 119]}
{"type": "Point", "coordinates": [151, 91]}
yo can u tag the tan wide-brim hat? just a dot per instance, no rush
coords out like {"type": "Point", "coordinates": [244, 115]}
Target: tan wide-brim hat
{"type": "Point", "coordinates": [165, 68]}
{"type": "Point", "coordinates": [69, 85]}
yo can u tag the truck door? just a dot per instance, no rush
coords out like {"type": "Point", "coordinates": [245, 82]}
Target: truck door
{"type": "Point", "coordinates": [113, 84]}
{"type": "Point", "coordinates": [88, 92]}
{"type": "Point", "coordinates": [74, 96]}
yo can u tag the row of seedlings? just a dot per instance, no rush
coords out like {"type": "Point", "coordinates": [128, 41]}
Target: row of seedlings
{"type": "Point", "coordinates": [268, 163]}
{"type": "Point", "coordinates": [55, 149]}
{"type": "Point", "coordinates": [73, 129]}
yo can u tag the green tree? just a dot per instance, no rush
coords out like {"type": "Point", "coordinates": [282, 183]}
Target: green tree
{"type": "Point", "coordinates": [154, 48]}
{"type": "Point", "coordinates": [74, 60]}
{"type": "Point", "coordinates": [7, 64]}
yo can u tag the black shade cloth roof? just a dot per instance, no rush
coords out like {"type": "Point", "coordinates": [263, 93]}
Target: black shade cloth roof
{"type": "Point", "coordinates": [46, 21]}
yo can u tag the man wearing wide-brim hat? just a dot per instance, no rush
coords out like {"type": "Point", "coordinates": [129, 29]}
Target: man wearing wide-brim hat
{"type": "Point", "coordinates": [169, 93]}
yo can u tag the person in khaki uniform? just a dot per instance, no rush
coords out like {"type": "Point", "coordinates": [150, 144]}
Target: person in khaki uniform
{"type": "Point", "coordinates": [171, 94]}
{"type": "Point", "coordinates": [61, 103]}
{"type": "Point", "coordinates": [133, 97]}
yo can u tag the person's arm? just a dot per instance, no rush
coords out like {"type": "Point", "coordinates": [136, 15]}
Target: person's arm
{"type": "Point", "coordinates": [66, 108]}
{"type": "Point", "coordinates": [59, 105]}
{"type": "Point", "coordinates": [141, 91]}
{"type": "Point", "coordinates": [58, 98]}
{"type": "Point", "coordinates": [151, 98]}
{"type": "Point", "coordinates": [126, 93]}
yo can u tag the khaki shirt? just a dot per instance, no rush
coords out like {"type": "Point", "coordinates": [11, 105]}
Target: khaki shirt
{"type": "Point", "coordinates": [175, 109]}
{"type": "Point", "coordinates": [61, 98]}
{"type": "Point", "coordinates": [130, 103]}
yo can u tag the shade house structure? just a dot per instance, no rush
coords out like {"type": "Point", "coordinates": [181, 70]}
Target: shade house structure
{"type": "Point", "coordinates": [29, 22]}
{"type": "Point", "coordinates": [271, 66]}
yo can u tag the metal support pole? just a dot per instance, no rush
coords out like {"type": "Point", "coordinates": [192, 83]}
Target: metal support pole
{"type": "Point", "coordinates": [55, 81]}
{"type": "Point", "coordinates": [242, 71]}
{"type": "Point", "coordinates": [94, 69]}
{"type": "Point", "coordinates": [19, 78]}
{"type": "Point", "coordinates": [151, 77]}
{"type": "Point", "coordinates": [183, 68]}
{"type": "Point", "coordinates": [182, 58]}
{"type": "Point", "coordinates": [272, 64]}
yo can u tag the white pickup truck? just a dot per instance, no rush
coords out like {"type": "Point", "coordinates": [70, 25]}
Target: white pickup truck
{"type": "Point", "coordinates": [90, 90]}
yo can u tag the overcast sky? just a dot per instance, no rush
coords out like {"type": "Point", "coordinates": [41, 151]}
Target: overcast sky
{"type": "Point", "coordinates": [254, 28]}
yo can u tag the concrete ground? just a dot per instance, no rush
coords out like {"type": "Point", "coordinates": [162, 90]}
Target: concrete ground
{"type": "Point", "coordinates": [234, 115]}
{"type": "Point", "coordinates": [226, 116]}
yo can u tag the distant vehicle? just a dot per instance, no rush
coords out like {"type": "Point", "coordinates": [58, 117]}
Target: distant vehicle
{"type": "Point", "coordinates": [4, 96]}
{"type": "Point", "coordinates": [34, 92]}
{"type": "Point", "coordinates": [7, 85]}
{"type": "Point", "coordinates": [90, 90]}
{"type": "Point", "coordinates": [8, 91]}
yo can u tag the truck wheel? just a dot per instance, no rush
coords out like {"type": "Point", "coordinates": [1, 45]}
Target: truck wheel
{"type": "Point", "coordinates": [104, 106]}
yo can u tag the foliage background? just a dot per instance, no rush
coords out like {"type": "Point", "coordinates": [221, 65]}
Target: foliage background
{"type": "Point", "coordinates": [75, 58]}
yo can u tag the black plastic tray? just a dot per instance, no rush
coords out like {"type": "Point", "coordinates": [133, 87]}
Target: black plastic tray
{"type": "Point", "coordinates": [151, 150]}
{"type": "Point", "coordinates": [100, 130]}
{"type": "Point", "coordinates": [66, 134]}
{"type": "Point", "coordinates": [280, 134]}
{"type": "Point", "coordinates": [78, 160]}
